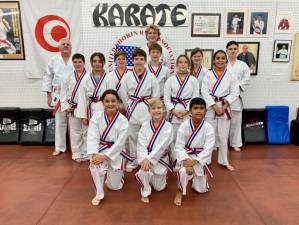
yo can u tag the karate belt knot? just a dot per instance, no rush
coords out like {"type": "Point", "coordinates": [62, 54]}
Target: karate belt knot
{"type": "Point", "coordinates": [183, 101]}
{"type": "Point", "coordinates": [137, 99]}
{"type": "Point", "coordinates": [94, 99]}
{"type": "Point", "coordinates": [192, 151]}
{"type": "Point", "coordinates": [221, 99]}
{"type": "Point", "coordinates": [72, 104]}
{"type": "Point", "coordinates": [107, 144]}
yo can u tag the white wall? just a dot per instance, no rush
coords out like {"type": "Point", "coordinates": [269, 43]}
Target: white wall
{"type": "Point", "coordinates": [266, 88]}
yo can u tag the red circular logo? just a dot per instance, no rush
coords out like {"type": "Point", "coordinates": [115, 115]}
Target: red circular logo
{"type": "Point", "coordinates": [49, 30]}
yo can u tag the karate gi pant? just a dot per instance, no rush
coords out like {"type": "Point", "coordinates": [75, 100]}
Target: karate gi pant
{"type": "Point", "coordinates": [132, 140]}
{"type": "Point", "coordinates": [60, 130]}
{"type": "Point", "coordinates": [114, 179]}
{"type": "Point", "coordinates": [199, 183]}
{"type": "Point", "coordinates": [221, 127]}
{"type": "Point", "coordinates": [173, 157]}
{"type": "Point", "coordinates": [149, 179]}
{"type": "Point", "coordinates": [78, 135]}
{"type": "Point", "coordinates": [235, 131]}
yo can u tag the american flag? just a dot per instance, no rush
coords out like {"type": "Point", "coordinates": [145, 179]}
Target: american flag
{"type": "Point", "coordinates": [129, 50]}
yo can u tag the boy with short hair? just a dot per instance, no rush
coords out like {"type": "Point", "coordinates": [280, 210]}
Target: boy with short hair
{"type": "Point", "coordinates": [156, 67]}
{"type": "Point", "coordinates": [193, 148]}
{"type": "Point", "coordinates": [137, 87]}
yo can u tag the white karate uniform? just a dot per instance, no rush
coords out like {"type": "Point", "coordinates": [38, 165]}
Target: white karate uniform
{"type": "Point", "coordinates": [162, 73]}
{"type": "Point", "coordinates": [109, 142]}
{"type": "Point", "coordinates": [258, 26]}
{"type": "Point", "coordinates": [235, 24]}
{"type": "Point", "coordinates": [117, 78]}
{"type": "Point", "coordinates": [134, 94]}
{"type": "Point", "coordinates": [195, 144]}
{"type": "Point", "coordinates": [199, 74]}
{"type": "Point", "coordinates": [214, 90]}
{"type": "Point", "coordinates": [177, 95]}
{"type": "Point", "coordinates": [90, 93]}
{"type": "Point", "coordinates": [283, 53]}
{"type": "Point", "coordinates": [69, 100]}
{"type": "Point", "coordinates": [242, 71]}
{"type": "Point", "coordinates": [153, 144]}
{"type": "Point", "coordinates": [56, 70]}
{"type": "Point", "coordinates": [4, 42]}
{"type": "Point", "coordinates": [164, 57]}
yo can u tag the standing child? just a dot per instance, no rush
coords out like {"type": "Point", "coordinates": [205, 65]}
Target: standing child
{"type": "Point", "coordinates": [193, 147]}
{"type": "Point", "coordinates": [156, 67]}
{"type": "Point", "coordinates": [219, 89]}
{"type": "Point", "coordinates": [137, 87]}
{"type": "Point", "coordinates": [178, 92]}
{"type": "Point", "coordinates": [93, 87]}
{"type": "Point", "coordinates": [154, 139]}
{"type": "Point", "coordinates": [196, 68]}
{"type": "Point", "coordinates": [106, 138]}
{"type": "Point", "coordinates": [69, 101]}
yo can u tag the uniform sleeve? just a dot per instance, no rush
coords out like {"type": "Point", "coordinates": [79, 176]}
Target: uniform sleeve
{"type": "Point", "coordinates": [204, 156]}
{"type": "Point", "coordinates": [155, 87]}
{"type": "Point", "coordinates": [205, 91]}
{"type": "Point", "coordinates": [81, 111]}
{"type": "Point", "coordinates": [179, 148]}
{"type": "Point", "coordinates": [234, 91]}
{"type": "Point", "coordinates": [142, 151]}
{"type": "Point", "coordinates": [119, 145]}
{"type": "Point", "coordinates": [159, 149]}
{"type": "Point", "coordinates": [245, 79]}
{"type": "Point", "coordinates": [93, 135]}
{"type": "Point", "coordinates": [167, 95]}
{"type": "Point", "coordinates": [48, 77]}
{"type": "Point", "coordinates": [63, 94]}
{"type": "Point", "coordinates": [123, 91]}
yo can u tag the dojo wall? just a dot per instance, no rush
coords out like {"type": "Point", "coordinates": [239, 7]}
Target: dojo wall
{"type": "Point", "coordinates": [272, 85]}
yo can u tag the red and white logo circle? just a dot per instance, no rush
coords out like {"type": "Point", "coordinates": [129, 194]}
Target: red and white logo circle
{"type": "Point", "coordinates": [49, 30]}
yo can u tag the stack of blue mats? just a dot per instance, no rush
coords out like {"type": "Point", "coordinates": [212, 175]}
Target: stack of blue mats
{"type": "Point", "coordinates": [277, 122]}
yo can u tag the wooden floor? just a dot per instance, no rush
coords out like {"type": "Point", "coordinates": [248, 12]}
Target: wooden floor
{"type": "Point", "coordinates": [37, 188]}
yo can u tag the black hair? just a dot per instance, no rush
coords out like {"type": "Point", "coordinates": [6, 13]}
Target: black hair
{"type": "Point", "coordinates": [78, 56]}
{"type": "Point", "coordinates": [139, 52]}
{"type": "Point", "coordinates": [219, 51]}
{"type": "Point", "coordinates": [109, 91]}
{"type": "Point", "coordinates": [197, 101]}
{"type": "Point", "coordinates": [231, 43]}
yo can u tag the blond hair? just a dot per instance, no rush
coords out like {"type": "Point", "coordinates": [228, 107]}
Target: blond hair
{"type": "Point", "coordinates": [155, 28]}
{"type": "Point", "coordinates": [153, 102]}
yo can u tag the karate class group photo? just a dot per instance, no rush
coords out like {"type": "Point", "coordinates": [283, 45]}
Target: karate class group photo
{"type": "Point", "coordinates": [135, 112]}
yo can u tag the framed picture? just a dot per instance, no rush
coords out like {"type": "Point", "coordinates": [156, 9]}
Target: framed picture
{"type": "Point", "coordinates": [235, 23]}
{"type": "Point", "coordinates": [207, 57]}
{"type": "Point", "coordinates": [259, 24]}
{"type": "Point", "coordinates": [284, 22]}
{"type": "Point", "coordinates": [249, 53]}
{"type": "Point", "coordinates": [205, 25]}
{"type": "Point", "coordinates": [295, 68]}
{"type": "Point", "coordinates": [282, 50]}
{"type": "Point", "coordinates": [11, 34]}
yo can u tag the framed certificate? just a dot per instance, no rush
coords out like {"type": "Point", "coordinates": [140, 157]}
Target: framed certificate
{"type": "Point", "coordinates": [205, 25]}
{"type": "Point", "coordinates": [11, 34]}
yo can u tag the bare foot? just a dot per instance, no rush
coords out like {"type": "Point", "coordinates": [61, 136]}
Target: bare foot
{"type": "Point", "coordinates": [129, 170]}
{"type": "Point", "coordinates": [230, 167]}
{"type": "Point", "coordinates": [145, 199]}
{"type": "Point", "coordinates": [178, 198]}
{"type": "Point", "coordinates": [237, 149]}
{"type": "Point", "coordinates": [95, 201]}
{"type": "Point", "coordinates": [56, 153]}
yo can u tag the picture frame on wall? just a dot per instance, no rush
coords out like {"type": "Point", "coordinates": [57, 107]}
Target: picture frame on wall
{"type": "Point", "coordinates": [284, 22]}
{"type": "Point", "coordinates": [205, 25]}
{"type": "Point", "coordinates": [249, 53]}
{"type": "Point", "coordinates": [235, 23]}
{"type": "Point", "coordinates": [11, 34]}
{"type": "Point", "coordinates": [207, 57]}
{"type": "Point", "coordinates": [282, 50]}
{"type": "Point", "coordinates": [259, 24]}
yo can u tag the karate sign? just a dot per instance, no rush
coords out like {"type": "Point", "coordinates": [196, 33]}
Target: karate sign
{"type": "Point", "coordinates": [135, 15]}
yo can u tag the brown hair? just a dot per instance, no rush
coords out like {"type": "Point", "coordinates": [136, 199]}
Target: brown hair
{"type": "Point", "coordinates": [119, 53]}
{"type": "Point", "coordinates": [193, 52]}
{"type": "Point", "coordinates": [181, 56]}
{"type": "Point", "coordinates": [139, 52]}
{"type": "Point", "coordinates": [155, 46]}
{"type": "Point", "coordinates": [100, 55]}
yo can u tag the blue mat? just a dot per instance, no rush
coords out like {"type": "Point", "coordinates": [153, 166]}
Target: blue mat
{"type": "Point", "coordinates": [277, 124]}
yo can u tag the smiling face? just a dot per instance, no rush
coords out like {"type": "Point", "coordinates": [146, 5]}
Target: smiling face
{"type": "Point", "coordinates": [220, 60]}
{"type": "Point", "coordinates": [197, 59]}
{"type": "Point", "coordinates": [78, 64]}
{"type": "Point", "coordinates": [65, 46]}
{"type": "Point", "coordinates": [152, 36]}
{"type": "Point", "coordinates": [110, 103]}
{"type": "Point", "coordinates": [157, 111]}
{"type": "Point", "coordinates": [121, 61]}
